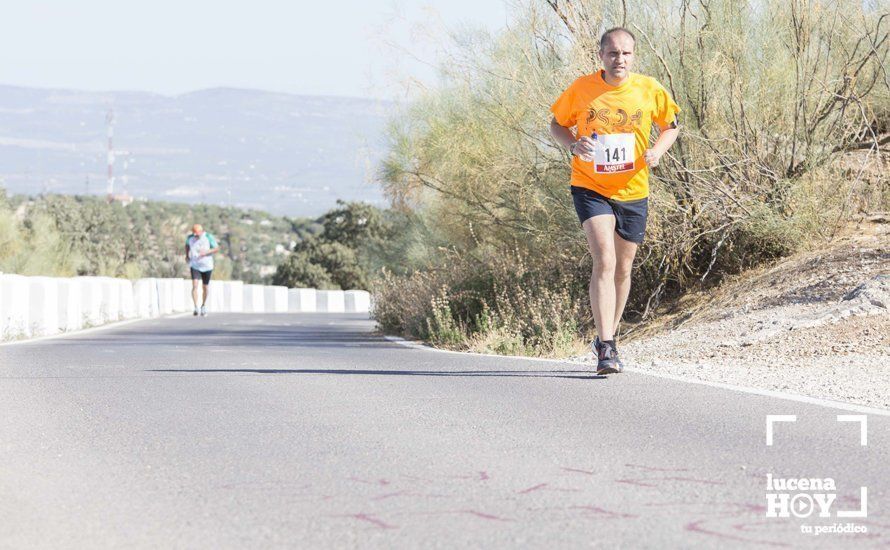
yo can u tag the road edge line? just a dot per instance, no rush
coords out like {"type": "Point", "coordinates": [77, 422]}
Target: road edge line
{"type": "Point", "coordinates": [743, 389]}
{"type": "Point", "coordinates": [107, 326]}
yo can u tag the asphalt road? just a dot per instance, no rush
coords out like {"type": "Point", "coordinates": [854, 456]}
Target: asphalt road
{"type": "Point", "coordinates": [308, 431]}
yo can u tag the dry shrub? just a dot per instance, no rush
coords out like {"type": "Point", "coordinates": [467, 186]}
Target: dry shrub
{"type": "Point", "coordinates": [495, 304]}
{"type": "Point", "coordinates": [777, 96]}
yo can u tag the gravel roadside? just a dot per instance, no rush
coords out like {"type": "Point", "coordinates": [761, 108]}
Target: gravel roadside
{"type": "Point", "coordinates": [815, 324]}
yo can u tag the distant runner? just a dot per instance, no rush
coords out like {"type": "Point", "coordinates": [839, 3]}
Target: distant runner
{"type": "Point", "coordinates": [612, 112]}
{"type": "Point", "coordinates": [200, 247]}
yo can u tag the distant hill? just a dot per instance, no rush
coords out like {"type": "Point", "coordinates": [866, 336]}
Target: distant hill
{"type": "Point", "coordinates": [287, 154]}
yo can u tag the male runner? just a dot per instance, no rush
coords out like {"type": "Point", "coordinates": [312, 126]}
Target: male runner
{"type": "Point", "coordinates": [612, 111]}
{"type": "Point", "coordinates": [200, 247]}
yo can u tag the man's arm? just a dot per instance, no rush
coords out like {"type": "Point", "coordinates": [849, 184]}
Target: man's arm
{"type": "Point", "coordinates": [565, 137]}
{"type": "Point", "coordinates": [666, 138]}
{"type": "Point", "coordinates": [213, 244]}
{"type": "Point", "coordinates": [187, 253]}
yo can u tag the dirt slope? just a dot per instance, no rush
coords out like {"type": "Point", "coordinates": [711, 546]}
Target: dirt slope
{"type": "Point", "coordinates": [816, 323]}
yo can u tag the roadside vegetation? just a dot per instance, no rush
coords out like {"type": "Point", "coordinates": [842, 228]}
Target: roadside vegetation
{"type": "Point", "coordinates": [785, 128]}
{"type": "Point", "coordinates": [58, 235]}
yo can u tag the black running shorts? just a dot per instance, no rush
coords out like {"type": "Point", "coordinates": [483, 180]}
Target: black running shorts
{"type": "Point", "coordinates": [203, 275]}
{"type": "Point", "coordinates": [630, 216]}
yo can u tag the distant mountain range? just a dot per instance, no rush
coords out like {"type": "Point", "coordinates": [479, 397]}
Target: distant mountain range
{"type": "Point", "coordinates": [287, 154]}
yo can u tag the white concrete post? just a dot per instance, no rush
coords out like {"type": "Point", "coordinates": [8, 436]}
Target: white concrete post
{"type": "Point", "coordinates": [357, 301]}
{"type": "Point", "coordinates": [330, 301]}
{"type": "Point", "coordinates": [127, 301]}
{"type": "Point", "coordinates": [179, 301]}
{"type": "Point", "coordinates": [70, 310]}
{"type": "Point", "coordinates": [44, 305]}
{"type": "Point", "coordinates": [276, 299]}
{"type": "Point", "coordinates": [111, 299]}
{"type": "Point", "coordinates": [301, 300]}
{"type": "Point", "coordinates": [254, 299]}
{"type": "Point", "coordinates": [90, 300]}
{"type": "Point", "coordinates": [145, 296]}
{"type": "Point", "coordinates": [185, 288]}
{"type": "Point", "coordinates": [233, 296]}
{"type": "Point", "coordinates": [14, 295]}
{"type": "Point", "coordinates": [166, 290]}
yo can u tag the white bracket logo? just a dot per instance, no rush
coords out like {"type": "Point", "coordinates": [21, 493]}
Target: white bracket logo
{"type": "Point", "coordinates": [782, 502]}
{"type": "Point", "coordinates": [773, 418]}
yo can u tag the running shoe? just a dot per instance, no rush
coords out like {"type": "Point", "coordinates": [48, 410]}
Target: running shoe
{"type": "Point", "coordinates": [195, 313]}
{"type": "Point", "coordinates": [203, 311]}
{"type": "Point", "coordinates": [596, 352]}
{"type": "Point", "coordinates": [607, 359]}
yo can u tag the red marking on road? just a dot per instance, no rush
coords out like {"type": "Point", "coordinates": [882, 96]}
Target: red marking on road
{"type": "Point", "coordinates": [378, 482]}
{"type": "Point", "coordinates": [635, 482]}
{"type": "Point", "coordinates": [483, 515]}
{"type": "Point", "coordinates": [478, 476]}
{"type": "Point", "coordinates": [389, 495]}
{"type": "Point", "coordinates": [405, 493]}
{"type": "Point", "coordinates": [642, 481]}
{"type": "Point", "coordinates": [695, 480]}
{"type": "Point", "coordinates": [696, 527]}
{"type": "Point", "coordinates": [603, 512]}
{"type": "Point", "coordinates": [535, 488]}
{"type": "Point", "coordinates": [656, 469]}
{"type": "Point", "coordinates": [747, 526]}
{"type": "Point", "coordinates": [371, 519]}
{"type": "Point", "coordinates": [579, 471]}
{"type": "Point", "coordinates": [659, 504]}
{"type": "Point", "coordinates": [415, 478]}
{"type": "Point", "coordinates": [541, 486]}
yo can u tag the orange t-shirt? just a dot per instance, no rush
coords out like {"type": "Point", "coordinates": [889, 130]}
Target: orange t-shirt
{"type": "Point", "coordinates": [621, 117]}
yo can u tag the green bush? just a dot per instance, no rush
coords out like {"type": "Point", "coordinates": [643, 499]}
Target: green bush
{"type": "Point", "coordinates": [76, 235]}
{"type": "Point", "coordinates": [343, 255]}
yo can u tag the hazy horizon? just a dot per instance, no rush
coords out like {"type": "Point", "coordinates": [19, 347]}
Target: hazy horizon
{"type": "Point", "coordinates": [366, 49]}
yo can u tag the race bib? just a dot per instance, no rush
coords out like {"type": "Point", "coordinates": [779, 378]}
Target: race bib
{"type": "Point", "coordinates": [614, 153]}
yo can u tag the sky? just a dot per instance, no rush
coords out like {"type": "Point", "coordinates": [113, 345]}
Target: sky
{"type": "Point", "coordinates": [366, 48]}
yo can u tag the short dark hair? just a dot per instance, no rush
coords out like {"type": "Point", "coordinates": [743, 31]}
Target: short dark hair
{"type": "Point", "coordinates": [614, 30]}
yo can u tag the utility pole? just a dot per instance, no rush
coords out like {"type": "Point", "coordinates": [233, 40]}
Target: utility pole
{"type": "Point", "coordinates": [109, 122]}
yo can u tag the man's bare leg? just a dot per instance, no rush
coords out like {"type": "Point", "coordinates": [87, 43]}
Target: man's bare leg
{"type": "Point", "coordinates": [195, 292]}
{"type": "Point", "coordinates": [601, 244]}
{"type": "Point", "coordinates": [206, 291]}
{"type": "Point", "coordinates": [624, 261]}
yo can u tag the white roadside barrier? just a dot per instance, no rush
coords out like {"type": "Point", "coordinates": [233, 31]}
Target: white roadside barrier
{"type": "Point", "coordinates": [179, 300]}
{"type": "Point", "coordinates": [14, 296]}
{"type": "Point", "coordinates": [166, 290]}
{"type": "Point", "coordinates": [128, 306]}
{"type": "Point", "coordinates": [70, 310]}
{"type": "Point", "coordinates": [145, 297]}
{"type": "Point", "coordinates": [301, 300]}
{"type": "Point", "coordinates": [254, 299]}
{"type": "Point", "coordinates": [40, 306]}
{"type": "Point", "coordinates": [357, 301]}
{"type": "Point", "coordinates": [330, 301]}
{"type": "Point", "coordinates": [233, 296]}
{"type": "Point", "coordinates": [215, 299]}
{"type": "Point", "coordinates": [44, 305]}
{"type": "Point", "coordinates": [276, 299]}
{"type": "Point", "coordinates": [186, 286]}
{"type": "Point", "coordinates": [111, 299]}
{"type": "Point", "coordinates": [90, 300]}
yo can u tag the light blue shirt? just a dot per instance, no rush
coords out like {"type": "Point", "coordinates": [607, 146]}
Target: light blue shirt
{"type": "Point", "coordinates": [198, 245]}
